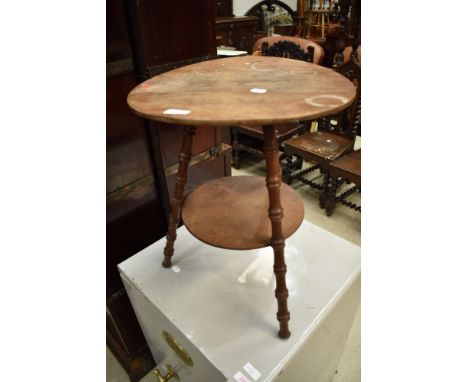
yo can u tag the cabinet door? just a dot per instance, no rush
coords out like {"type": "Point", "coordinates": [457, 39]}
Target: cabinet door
{"type": "Point", "coordinates": [135, 215]}
{"type": "Point", "coordinates": [165, 31]}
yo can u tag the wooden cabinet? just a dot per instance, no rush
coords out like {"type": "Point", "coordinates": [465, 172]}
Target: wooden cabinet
{"type": "Point", "coordinates": [145, 38]}
{"type": "Point", "coordinates": [238, 32]}
{"type": "Point", "coordinates": [135, 215]}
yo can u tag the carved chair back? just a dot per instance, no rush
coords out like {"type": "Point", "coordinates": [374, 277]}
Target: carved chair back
{"type": "Point", "coordinates": [290, 47]}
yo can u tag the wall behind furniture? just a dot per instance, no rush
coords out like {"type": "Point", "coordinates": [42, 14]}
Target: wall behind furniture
{"type": "Point", "coordinates": [240, 7]}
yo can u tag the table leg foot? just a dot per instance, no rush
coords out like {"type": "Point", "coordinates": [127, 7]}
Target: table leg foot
{"type": "Point", "coordinates": [178, 197]}
{"type": "Point", "coordinates": [275, 212]}
{"type": "Point", "coordinates": [284, 331]}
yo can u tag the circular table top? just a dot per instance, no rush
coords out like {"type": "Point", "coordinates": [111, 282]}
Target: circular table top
{"type": "Point", "coordinates": [253, 90]}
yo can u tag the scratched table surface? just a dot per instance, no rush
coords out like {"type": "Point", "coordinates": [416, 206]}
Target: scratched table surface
{"type": "Point", "coordinates": [252, 90]}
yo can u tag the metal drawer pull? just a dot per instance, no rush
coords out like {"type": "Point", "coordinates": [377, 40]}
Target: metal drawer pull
{"type": "Point", "coordinates": [178, 349]}
{"type": "Point", "coordinates": [181, 353]}
{"type": "Point", "coordinates": [170, 374]}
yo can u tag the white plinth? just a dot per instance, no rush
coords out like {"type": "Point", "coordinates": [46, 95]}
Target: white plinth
{"type": "Point", "coordinates": [220, 305]}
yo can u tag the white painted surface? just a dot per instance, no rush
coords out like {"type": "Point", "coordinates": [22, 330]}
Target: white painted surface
{"type": "Point", "coordinates": [240, 7]}
{"type": "Point", "coordinates": [221, 306]}
{"type": "Point", "coordinates": [230, 53]}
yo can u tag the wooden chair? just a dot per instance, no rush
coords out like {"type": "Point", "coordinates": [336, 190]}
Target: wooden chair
{"type": "Point", "coordinates": [250, 138]}
{"type": "Point", "coordinates": [348, 168]}
{"type": "Point", "coordinates": [334, 138]}
{"type": "Point", "coordinates": [348, 51]}
{"type": "Point", "coordinates": [290, 47]}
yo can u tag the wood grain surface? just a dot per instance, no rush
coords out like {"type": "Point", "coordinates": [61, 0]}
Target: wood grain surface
{"type": "Point", "coordinates": [253, 90]}
{"type": "Point", "coordinates": [232, 212]}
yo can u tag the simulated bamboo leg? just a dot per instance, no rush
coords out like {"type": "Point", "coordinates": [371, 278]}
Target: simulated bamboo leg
{"type": "Point", "coordinates": [178, 198]}
{"type": "Point", "coordinates": [275, 212]}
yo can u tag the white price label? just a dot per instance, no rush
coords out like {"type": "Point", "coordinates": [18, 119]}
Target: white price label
{"type": "Point", "coordinates": [175, 268]}
{"type": "Point", "coordinates": [176, 111]}
{"type": "Point", "coordinates": [252, 371]}
{"type": "Point", "coordinates": [239, 377]}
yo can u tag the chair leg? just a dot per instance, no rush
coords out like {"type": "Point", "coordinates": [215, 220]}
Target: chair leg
{"type": "Point", "coordinates": [287, 170]}
{"type": "Point", "coordinates": [330, 203]}
{"type": "Point", "coordinates": [324, 190]}
{"type": "Point", "coordinates": [298, 163]}
{"type": "Point", "coordinates": [235, 149]}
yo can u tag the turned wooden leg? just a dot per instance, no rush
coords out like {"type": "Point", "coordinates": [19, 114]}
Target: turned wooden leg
{"type": "Point", "coordinates": [331, 197]}
{"type": "Point", "coordinates": [298, 163]}
{"type": "Point", "coordinates": [275, 212]}
{"type": "Point", "coordinates": [178, 198]}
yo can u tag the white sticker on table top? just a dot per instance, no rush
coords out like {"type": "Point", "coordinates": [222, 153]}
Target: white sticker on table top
{"type": "Point", "coordinates": [175, 268]}
{"type": "Point", "coordinates": [177, 111]}
{"type": "Point", "coordinates": [258, 90]}
{"type": "Point", "coordinates": [239, 377]}
{"type": "Point", "coordinates": [252, 371]}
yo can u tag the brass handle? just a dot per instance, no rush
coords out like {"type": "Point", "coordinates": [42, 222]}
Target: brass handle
{"type": "Point", "coordinates": [170, 374]}
{"type": "Point", "coordinates": [178, 349]}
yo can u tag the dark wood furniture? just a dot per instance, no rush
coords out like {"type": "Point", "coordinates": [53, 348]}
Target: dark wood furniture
{"type": "Point", "coordinates": [344, 34]}
{"type": "Point", "coordinates": [285, 46]}
{"type": "Point", "coordinates": [254, 90]}
{"type": "Point", "coordinates": [224, 8]}
{"type": "Point", "coordinates": [237, 32]}
{"type": "Point", "coordinates": [144, 38]}
{"type": "Point", "coordinates": [335, 137]}
{"type": "Point", "coordinates": [270, 13]}
{"type": "Point", "coordinates": [315, 19]}
{"type": "Point", "coordinates": [135, 215]}
{"type": "Point", "coordinates": [343, 26]}
{"type": "Point", "coordinates": [250, 138]}
{"type": "Point", "coordinates": [348, 167]}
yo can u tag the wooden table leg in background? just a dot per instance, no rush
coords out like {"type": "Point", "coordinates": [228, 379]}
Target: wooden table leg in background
{"type": "Point", "coordinates": [275, 212]}
{"type": "Point", "coordinates": [178, 198]}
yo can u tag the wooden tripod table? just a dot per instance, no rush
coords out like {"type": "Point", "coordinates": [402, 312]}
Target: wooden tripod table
{"type": "Point", "coordinates": [240, 212]}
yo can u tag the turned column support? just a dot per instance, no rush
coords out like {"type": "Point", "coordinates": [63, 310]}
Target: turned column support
{"type": "Point", "coordinates": [275, 212]}
{"type": "Point", "coordinates": [178, 197]}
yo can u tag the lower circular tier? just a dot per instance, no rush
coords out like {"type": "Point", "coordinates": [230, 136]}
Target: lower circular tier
{"type": "Point", "coordinates": [232, 212]}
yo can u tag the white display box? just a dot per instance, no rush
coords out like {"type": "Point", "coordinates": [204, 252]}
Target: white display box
{"type": "Point", "coordinates": [220, 306]}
